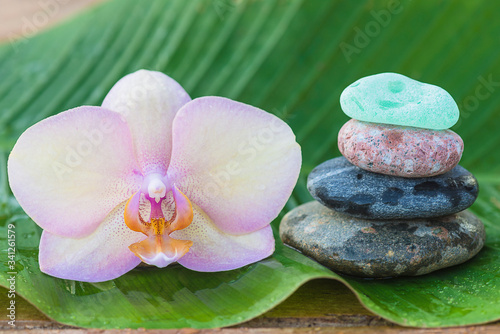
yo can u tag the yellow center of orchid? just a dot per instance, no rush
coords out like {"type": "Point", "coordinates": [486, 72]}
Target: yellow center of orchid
{"type": "Point", "coordinates": [159, 248]}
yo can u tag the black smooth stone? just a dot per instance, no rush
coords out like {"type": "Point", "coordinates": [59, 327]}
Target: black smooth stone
{"type": "Point", "coordinates": [341, 186]}
{"type": "Point", "coordinates": [372, 248]}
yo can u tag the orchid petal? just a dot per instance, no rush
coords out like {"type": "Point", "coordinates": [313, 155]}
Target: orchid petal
{"type": "Point", "coordinates": [70, 170]}
{"type": "Point", "coordinates": [237, 162]}
{"type": "Point", "coordinates": [214, 250]}
{"type": "Point", "coordinates": [101, 256]}
{"type": "Point", "coordinates": [149, 101]}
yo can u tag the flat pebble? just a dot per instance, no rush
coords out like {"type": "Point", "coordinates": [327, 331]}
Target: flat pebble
{"type": "Point", "coordinates": [400, 150]}
{"type": "Point", "coordinates": [393, 98]}
{"type": "Point", "coordinates": [369, 248]}
{"type": "Point", "coordinates": [341, 186]}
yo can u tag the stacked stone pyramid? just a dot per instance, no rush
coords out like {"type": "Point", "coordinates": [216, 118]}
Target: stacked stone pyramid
{"type": "Point", "coordinates": [395, 203]}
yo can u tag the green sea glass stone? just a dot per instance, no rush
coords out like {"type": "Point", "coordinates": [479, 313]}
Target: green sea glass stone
{"type": "Point", "coordinates": [393, 98]}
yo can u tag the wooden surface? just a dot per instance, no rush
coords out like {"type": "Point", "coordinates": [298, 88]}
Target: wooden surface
{"type": "Point", "coordinates": [320, 306]}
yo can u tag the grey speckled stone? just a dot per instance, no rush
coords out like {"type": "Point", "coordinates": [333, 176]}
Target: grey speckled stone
{"type": "Point", "coordinates": [341, 186]}
{"type": "Point", "coordinates": [369, 248]}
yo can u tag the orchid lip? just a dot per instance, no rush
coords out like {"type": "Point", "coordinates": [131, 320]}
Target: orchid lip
{"type": "Point", "coordinates": [159, 248]}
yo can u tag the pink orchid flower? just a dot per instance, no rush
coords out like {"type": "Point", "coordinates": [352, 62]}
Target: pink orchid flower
{"type": "Point", "coordinates": [154, 176]}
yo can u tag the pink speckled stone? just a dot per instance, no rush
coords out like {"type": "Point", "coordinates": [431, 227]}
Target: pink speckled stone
{"type": "Point", "coordinates": [400, 150]}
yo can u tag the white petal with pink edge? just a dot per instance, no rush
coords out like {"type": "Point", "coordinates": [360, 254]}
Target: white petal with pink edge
{"type": "Point", "coordinates": [149, 101]}
{"type": "Point", "coordinates": [214, 250]}
{"type": "Point", "coordinates": [237, 162]}
{"type": "Point", "coordinates": [101, 256]}
{"type": "Point", "coordinates": [71, 170]}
